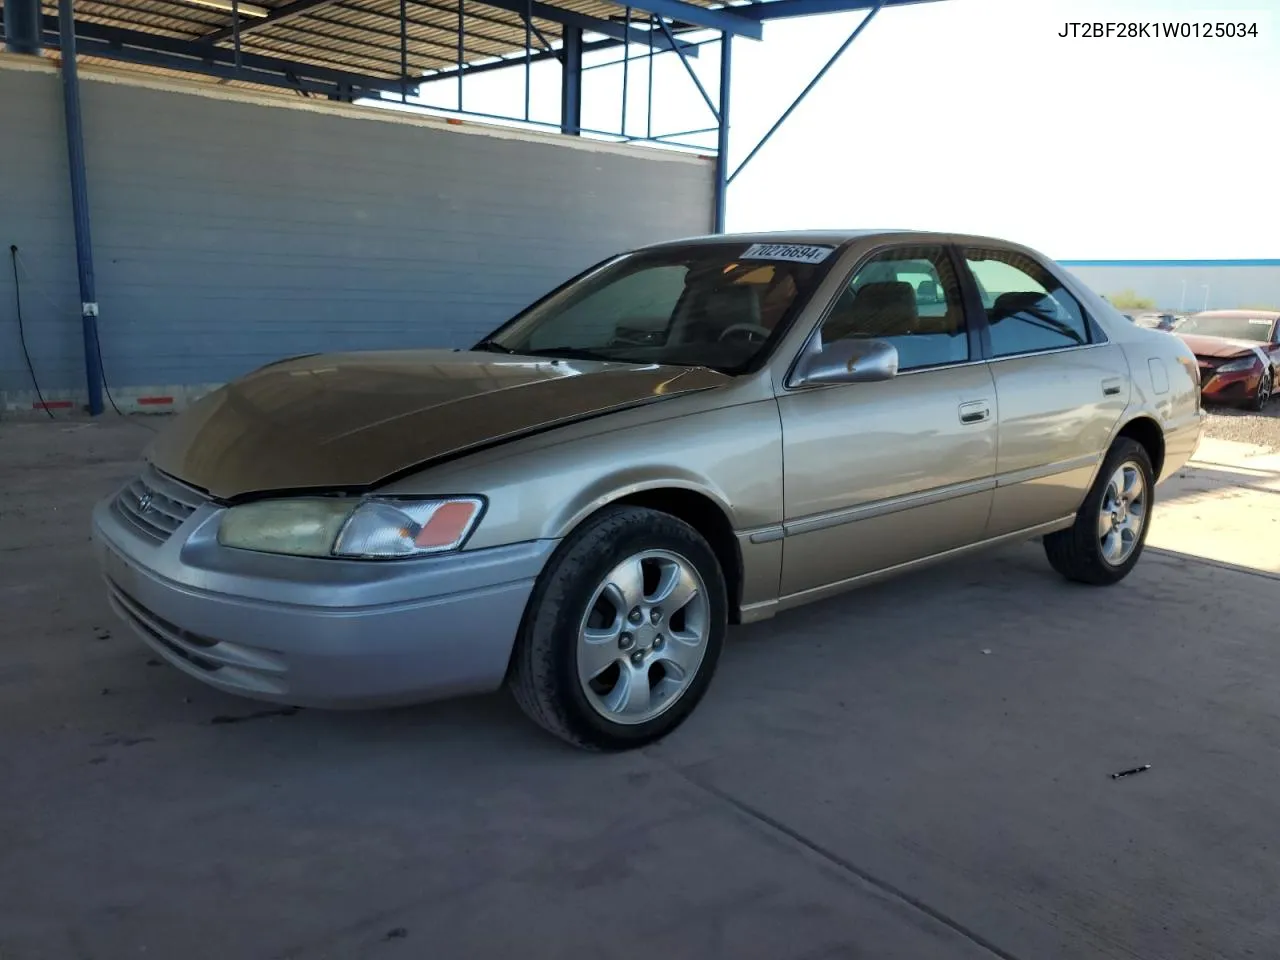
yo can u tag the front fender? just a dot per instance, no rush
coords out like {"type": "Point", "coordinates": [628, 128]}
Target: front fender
{"type": "Point", "coordinates": [617, 486]}
{"type": "Point", "coordinates": [540, 488]}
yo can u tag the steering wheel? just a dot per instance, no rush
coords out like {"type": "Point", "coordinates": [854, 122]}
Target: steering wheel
{"type": "Point", "coordinates": [753, 330]}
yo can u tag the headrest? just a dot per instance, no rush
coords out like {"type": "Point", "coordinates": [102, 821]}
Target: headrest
{"type": "Point", "coordinates": [1007, 304]}
{"type": "Point", "coordinates": [927, 291]}
{"type": "Point", "coordinates": [885, 309]}
{"type": "Point", "coordinates": [732, 303]}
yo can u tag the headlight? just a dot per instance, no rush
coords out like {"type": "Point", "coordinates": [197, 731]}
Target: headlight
{"type": "Point", "coordinates": [1235, 366]}
{"type": "Point", "coordinates": [371, 529]}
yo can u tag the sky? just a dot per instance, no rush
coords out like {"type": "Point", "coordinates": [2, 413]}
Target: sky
{"type": "Point", "coordinates": [975, 116]}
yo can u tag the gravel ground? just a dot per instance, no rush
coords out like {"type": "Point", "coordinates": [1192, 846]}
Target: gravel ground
{"type": "Point", "coordinates": [1228, 423]}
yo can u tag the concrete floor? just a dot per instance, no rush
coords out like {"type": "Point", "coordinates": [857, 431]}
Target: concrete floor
{"type": "Point", "coordinates": [917, 770]}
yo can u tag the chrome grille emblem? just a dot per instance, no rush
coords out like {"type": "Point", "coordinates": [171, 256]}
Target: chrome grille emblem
{"type": "Point", "coordinates": [144, 503]}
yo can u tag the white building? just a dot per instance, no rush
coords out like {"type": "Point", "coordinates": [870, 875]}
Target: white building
{"type": "Point", "coordinates": [1186, 285]}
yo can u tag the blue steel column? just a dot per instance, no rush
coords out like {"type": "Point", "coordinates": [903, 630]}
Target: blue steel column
{"type": "Point", "coordinates": [571, 84]}
{"type": "Point", "coordinates": [80, 203]}
{"type": "Point", "coordinates": [22, 26]}
{"type": "Point", "coordinates": [722, 143]}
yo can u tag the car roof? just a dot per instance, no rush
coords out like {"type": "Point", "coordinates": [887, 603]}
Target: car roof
{"type": "Point", "coordinates": [839, 237]}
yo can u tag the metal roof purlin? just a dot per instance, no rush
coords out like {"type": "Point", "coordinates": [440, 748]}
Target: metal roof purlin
{"type": "Point", "coordinates": [277, 15]}
{"type": "Point", "coordinates": [571, 18]}
{"type": "Point", "coordinates": [788, 9]}
{"type": "Point", "coordinates": [117, 41]}
{"type": "Point", "coordinates": [724, 19]}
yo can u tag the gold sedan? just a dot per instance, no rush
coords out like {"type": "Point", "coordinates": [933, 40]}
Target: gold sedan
{"type": "Point", "coordinates": [684, 436]}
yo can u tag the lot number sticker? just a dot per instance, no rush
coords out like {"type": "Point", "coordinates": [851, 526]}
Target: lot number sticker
{"type": "Point", "coordinates": [796, 252]}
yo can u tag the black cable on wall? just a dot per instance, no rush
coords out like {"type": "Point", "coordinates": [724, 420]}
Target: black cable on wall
{"type": "Point", "coordinates": [22, 331]}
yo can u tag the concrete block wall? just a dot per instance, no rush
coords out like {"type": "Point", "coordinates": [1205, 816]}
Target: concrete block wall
{"type": "Point", "coordinates": [232, 229]}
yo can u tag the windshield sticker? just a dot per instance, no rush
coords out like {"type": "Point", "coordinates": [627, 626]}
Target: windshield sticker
{"type": "Point", "coordinates": [796, 252]}
{"type": "Point", "coordinates": [1261, 322]}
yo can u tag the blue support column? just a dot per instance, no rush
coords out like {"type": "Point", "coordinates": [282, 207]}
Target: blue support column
{"type": "Point", "coordinates": [22, 26]}
{"type": "Point", "coordinates": [571, 84]}
{"type": "Point", "coordinates": [80, 204]}
{"type": "Point", "coordinates": [722, 142]}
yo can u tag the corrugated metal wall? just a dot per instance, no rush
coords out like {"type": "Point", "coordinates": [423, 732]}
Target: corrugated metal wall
{"type": "Point", "coordinates": [231, 231]}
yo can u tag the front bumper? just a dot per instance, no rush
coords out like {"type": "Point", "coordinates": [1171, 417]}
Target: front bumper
{"type": "Point", "coordinates": [318, 632]}
{"type": "Point", "coordinates": [1231, 387]}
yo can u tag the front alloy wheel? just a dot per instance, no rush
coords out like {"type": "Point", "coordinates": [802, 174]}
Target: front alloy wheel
{"type": "Point", "coordinates": [622, 632]}
{"type": "Point", "coordinates": [1262, 396]}
{"type": "Point", "coordinates": [643, 637]}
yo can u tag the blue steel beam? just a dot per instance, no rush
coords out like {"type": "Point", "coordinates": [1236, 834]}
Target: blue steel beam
{"type": "Point", "coordinates": [571, 18]}
{"type": "Point", "coordinates": [571, 83]}
{"type": "Point", "coordinates": [724, 19]}
{"type": "Point", "coordinates": [688, 68]}
{"type": "Point", "coordinates": [722, 139]}
{"type": "Point", "coordinates": [690, 48]}
{"type": "Point", "coordinates": [285, 80]}
{"type": "Point", "coordinates": [80, 206]}
{"type": "Point", "coordinates": [786, 9]}
{"type": "Point", "coordinates": [22, 26]}
{"type": "Point", "coordinates": [871, 15]}
{"type": "Point", "coordinates": [587, 47]}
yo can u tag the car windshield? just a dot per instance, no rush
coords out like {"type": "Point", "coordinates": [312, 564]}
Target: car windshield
{"type": "Point", "coordinates": [1232, 328]}
{"type": "Point", "coordinates": [720, 305]}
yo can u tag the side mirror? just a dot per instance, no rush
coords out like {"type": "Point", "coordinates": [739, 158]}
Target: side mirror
{"type": "Point", "coordinates": [846, 361]}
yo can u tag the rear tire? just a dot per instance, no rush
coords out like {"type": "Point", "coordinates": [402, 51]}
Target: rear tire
{"type": "Point", "coordinates": [599, 661]}
{"type": "Point", "coordinates": [1110, 529]}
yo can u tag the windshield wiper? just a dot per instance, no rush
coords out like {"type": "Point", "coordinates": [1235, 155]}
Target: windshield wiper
{"type": "Point", "coordinates": [572, 353]}
{"type": "Point", "coordinates": [492, 346]}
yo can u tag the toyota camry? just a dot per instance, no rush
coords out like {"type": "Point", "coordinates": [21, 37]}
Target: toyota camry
{"type": "Point", "coordinates": [683, 437]}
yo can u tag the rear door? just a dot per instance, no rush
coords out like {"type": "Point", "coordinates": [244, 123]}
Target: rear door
{"type": "Point", "coordinates": [1060, 386]}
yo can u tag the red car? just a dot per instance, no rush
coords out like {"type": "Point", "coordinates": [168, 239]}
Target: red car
{"type": "Point", "coordinates": [1239, 354]}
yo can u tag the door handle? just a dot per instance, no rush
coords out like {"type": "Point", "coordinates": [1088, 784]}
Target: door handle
{"type": "Point", "coordinates": [1111, 386]}
{"type": "Point", "coordinates": [975, 411]}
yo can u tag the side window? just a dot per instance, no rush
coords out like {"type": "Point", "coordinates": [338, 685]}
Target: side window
{"type": "Point", "coordinates": [909, 296]}
{"type": "Point", "coordinates": [1028, 310]}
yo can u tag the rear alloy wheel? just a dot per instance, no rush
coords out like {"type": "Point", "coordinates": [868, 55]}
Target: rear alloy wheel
{"type": "Point", "coordinates": [1107, 538]}
{"type": "Point", "coordinates": [1262, 396]}
{"type": "Point", "coordinates": [623, 631]}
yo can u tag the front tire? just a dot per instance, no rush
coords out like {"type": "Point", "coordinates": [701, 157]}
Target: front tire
{"type": "Point", "coordinates": [1110, 530]}
{"type": "Point", "coordinates": [623, 631]}
{"type": "Point", "coordinates": [1262, 396]}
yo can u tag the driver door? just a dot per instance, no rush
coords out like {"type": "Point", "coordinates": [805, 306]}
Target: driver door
{"type": "Point", "coordinates": [882, 473]}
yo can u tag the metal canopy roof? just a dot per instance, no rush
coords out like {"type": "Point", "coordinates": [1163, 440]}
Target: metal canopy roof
{"type": "Point", "coordinates": [362, 36]}
{"type": "Point", "coordinates": [361, 47]}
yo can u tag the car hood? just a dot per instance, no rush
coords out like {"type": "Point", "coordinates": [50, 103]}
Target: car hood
{"type": "Point", "coordinates": [344, 421]}
{"type": "Point", "coordinates": [1216, 346]}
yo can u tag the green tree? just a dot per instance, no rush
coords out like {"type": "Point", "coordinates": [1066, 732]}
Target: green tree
{"type": "Point", "coordinates": [1128, 300]}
